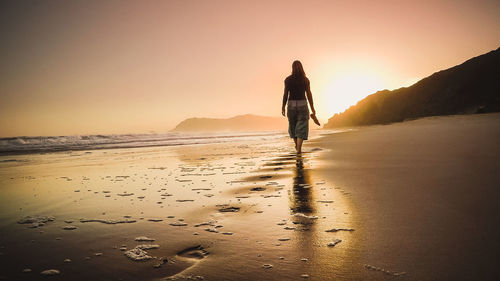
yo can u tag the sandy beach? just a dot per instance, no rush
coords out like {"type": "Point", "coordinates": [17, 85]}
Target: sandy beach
{"type": "Point", "coordinates": [411, 201]}
{"type": "Point", "coordinates": [423, 194]}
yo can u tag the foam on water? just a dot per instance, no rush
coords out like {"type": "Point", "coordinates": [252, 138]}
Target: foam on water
{"type": "Point", "coordinates": [36, 221]}
{"type": "Point", "coordinates": [37, 144]}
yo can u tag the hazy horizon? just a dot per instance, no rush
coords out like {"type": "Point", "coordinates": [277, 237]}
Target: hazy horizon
{"type": "Point", "coordinates": [141, 66]}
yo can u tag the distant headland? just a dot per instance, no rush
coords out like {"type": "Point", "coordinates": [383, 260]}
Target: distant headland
{"type": "Point", "coordinates": [248, 122]}
{"type": "Point", "coordinates": [471, 87]}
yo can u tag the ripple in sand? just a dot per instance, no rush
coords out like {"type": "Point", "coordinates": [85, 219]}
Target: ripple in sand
{"type": "Point", "coordinates": [229, 209]}
{"type": "Point", "coordinates": [36, 221]}
{"type": "Point", "coordinates": [269, 196]}
{"type": "Point", "coordinates": [393, 273]}
{"type": "Point", "coordinates": [305, 216]}
{"type": "Point", "coordinates": [144, 239]}
{"type": "Point", "coordinates": [204, 223]}
{"type": "Point", "coordinates": [70, 227]}
{"type": "Point", "coordinates": [108, 221]}
{"type": "Point", "coordinates": [335, 242]}
{"type": "Point", "coordinates": [155, 220]}
{"type": "Point", "coordinates": [283, 239]}
{"type": "Point", "coordinates": [184, 200]}
{"type": "Point", "coordinates": [178, 223]}
{"type": "Point", "coordinates": [182, 277]}
{"type": "Point", "coordinates": [267, 266]}
{"type": "Point", "coordinates": [339, 229]}
{"type": "Point", "coordinates": [50, 272]}
{"type": "Point", "coordinates": [125, 194]}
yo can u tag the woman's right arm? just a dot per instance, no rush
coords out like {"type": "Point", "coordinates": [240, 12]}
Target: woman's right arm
{"type": "Point", "coordinates": [285, 99]}
{"type": "Point", "coordinates": [310, 98]}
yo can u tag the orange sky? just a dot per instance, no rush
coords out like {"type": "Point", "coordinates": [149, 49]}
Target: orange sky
{"type": "Point", "coordinates": [89, 67]}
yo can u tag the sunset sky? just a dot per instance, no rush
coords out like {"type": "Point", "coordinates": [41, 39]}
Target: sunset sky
{"type": "Point", "coordinates": [97, 67]}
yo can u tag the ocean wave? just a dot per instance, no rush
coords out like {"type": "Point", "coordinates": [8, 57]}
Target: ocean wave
{"type": "Point", "coordinates": [40, 144]}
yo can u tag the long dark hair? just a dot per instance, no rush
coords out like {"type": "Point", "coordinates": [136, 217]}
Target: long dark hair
{"type": "Point", "coordinates": [298, 70]}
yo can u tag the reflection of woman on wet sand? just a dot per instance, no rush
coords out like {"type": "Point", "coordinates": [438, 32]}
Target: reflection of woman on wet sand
{"type": "Point", "coordinates": [301, 193]}
{"type": "Point", "coordinates": [296, 86]}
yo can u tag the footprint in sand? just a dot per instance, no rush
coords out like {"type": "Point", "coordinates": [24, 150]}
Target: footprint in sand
{"type": "Point", "coordinates": [191, 256]}
{"type": "Point", "coordinates": [196, 252]}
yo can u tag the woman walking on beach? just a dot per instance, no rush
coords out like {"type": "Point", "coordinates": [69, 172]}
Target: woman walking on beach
{"type": "Point", "coordinates": [296, 87]}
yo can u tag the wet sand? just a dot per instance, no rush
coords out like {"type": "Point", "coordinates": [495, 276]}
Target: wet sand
{"type": "Point", "coordinates": [424, 196]}
{"type": "Point", "coordinates": [232, 211]}
{"type": "Point", "coordinates": [412, 201]}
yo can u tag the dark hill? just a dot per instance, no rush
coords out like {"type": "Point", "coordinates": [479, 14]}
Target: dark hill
{"type": "Point", "coordinates": [471, 87]}
{"type": "Point", "coordinates": [247, 122]}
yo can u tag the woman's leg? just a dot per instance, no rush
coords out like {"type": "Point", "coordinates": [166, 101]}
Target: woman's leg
{"type": "Point", "coordinates": [295, 141]}
{"type": "Point", "coordinates": [298, 145]}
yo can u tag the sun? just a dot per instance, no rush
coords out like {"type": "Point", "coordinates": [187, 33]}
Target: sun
{"type": "Point", "coordinates": [348, 87]}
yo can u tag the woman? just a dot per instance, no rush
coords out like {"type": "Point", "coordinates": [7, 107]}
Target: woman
{"type": "Point", "coordinates": [296, 87]}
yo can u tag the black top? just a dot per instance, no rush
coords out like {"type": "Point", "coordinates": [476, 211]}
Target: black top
{"type": "Point", "coordinates": [297, 87]}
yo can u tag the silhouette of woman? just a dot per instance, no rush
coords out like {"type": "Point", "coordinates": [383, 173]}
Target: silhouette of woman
{"type": "Point", "coordinates": [296, 87]}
